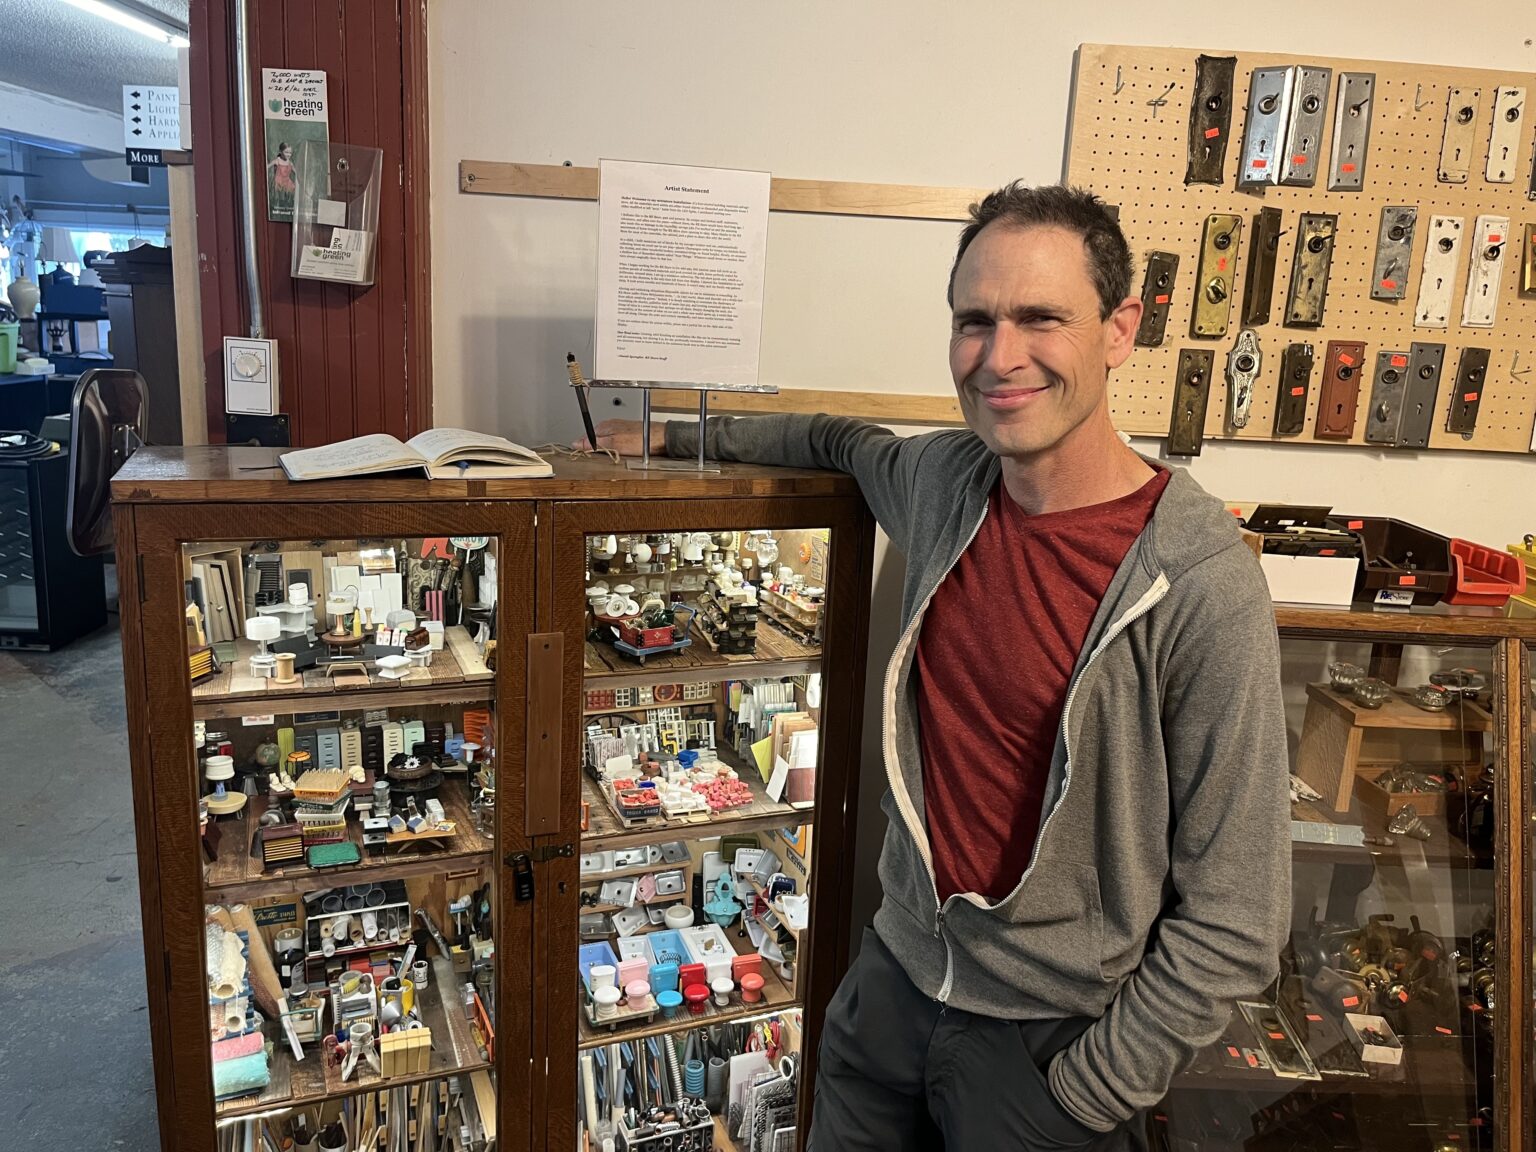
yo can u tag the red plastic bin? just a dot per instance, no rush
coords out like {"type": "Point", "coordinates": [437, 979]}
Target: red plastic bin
{"type": "Point", "coordinates": [1483, 575]}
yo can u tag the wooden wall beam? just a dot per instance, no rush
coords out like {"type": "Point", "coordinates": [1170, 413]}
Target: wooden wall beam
{"type": "Point", "coordinates": [877, 407]}
{"type": "Point", "coordinates": [829, 197]}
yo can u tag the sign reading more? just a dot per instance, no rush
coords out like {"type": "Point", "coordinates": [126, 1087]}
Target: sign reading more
{"type": "Point", "coordinates": [151, 122]}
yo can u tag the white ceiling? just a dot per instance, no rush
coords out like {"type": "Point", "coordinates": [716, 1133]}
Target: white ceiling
{"type": "Point", "coordinates": [55, 48]}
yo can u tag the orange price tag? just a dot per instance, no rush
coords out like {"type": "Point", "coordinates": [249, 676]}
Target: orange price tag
{"type": "Point", "coordinates": [1353, 524]}
{"type": "Point", "coordinates": [1314, 1018]}
{"type": "Point", "coordinates": [1346, 359]}
{"type": "Point", "coordinates": [1346, 167]}
{"type": "Point", "coordinates": [1399, 361]}
{"type": "Point", "coordinates": [1260, 162]}
{"type": "Point", "coordinates": [1389, 285]}
{"type": "Point", "coordinates": [1298, 391]}
{"type": "Point", "coordinates": [1407, 580]}
{"type": "Point", "coordinates": [1298, 160]}
{"type": "Point", "coordinates": [1163, 299]}
{"type": "Point", "coordinates": [1468, 397]}
{"type": "Point", "coordinates": [1494, 238]}
{"type": "Point", "coordinates": [1212, 133]}
{"type": "Point", "coordinates": [1350, 1001]}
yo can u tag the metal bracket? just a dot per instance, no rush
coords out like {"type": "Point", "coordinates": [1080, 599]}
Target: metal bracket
{"type": "Point", "coordinates": [1269, 107]}
{"type": "Point", "coordinates": [1263, 248]}
{"type": "Point", "coordinates": [1528, 262]}
{"type": "Point", "coordinates": [1343, 363]}
{"type": "Point", "coordinates": [1213, 280]}
{"type": "Point", "coordinates": [1485, 272]}
{"type": "Point", "coordinates": [1243, 365]}
{"type": "Point", "coordinates": [1309, 272]}
{"type": "Point", "coordinates": [1386, 412]}
{"type": "Point", "coordinates": [1420, 393]}
{"type": "Point", "coordinates": [1295, 380]}
{"type": "Point", "coordinates": [1394, 252]}
{"type": "Point", "coordinates": [1304, 138]}
{"type": "Point", "coordinates": [1471, 376]}
{"type": "Point", "coordinates": [1504, 139]}
{"type": "Point", "coordinates": [1210, 119]}
{"type": "Point", "coordinates": [1156, 291]}
{"type": "Point", "coordinates": [1460, 139]}
{"type": "Point", "coordinates": [1191, 391]}
{"type": "Point", "coordinates": [1351, 131]}
{"type": "Point", "coordinates": [544, 853]}
{"type": "Point", "coordinates": [1442, 252]}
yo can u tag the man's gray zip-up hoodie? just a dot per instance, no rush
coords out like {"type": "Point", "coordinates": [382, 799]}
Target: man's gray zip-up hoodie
{"type": "Point", "coordinates": [1159, 888]}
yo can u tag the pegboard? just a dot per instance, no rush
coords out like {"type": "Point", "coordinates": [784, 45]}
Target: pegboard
{"type": "Point", "coordinates": [1133, 153]}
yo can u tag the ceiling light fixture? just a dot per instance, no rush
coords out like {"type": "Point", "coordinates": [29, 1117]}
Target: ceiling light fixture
{"type": "Point", "coordinates": [135, 20]}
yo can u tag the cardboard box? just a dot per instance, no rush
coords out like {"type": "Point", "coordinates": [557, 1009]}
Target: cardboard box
{"type": "Point", "coordinates": [1374, 1039]}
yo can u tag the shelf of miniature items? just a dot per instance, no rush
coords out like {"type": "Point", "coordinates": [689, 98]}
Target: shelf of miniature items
{"type": "Point", "coordinates": [1341, 738]}
{"type": "Point", "coordinates": [1434, 1066]}
{"type": "Point", "coordinates": [794, 614]}
{"type": "Point", "coordinates": [631, 700]}
{"type": "Point", "coordinates": [294, 1083]}
{"type": "Point", "coordinates": [605, 829]}
{"type": "Point", "coordinates": [236, 874]}
{"type": "Point", "coordinates": [638, 1023]}
{"type": "Point", "coordinates": [457, 674]}
{"type": "Point", "coordinates": [776, 655]}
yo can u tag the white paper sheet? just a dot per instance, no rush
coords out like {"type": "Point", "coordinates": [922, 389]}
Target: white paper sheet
{"type": "Point", "coordinates": [681, 254]}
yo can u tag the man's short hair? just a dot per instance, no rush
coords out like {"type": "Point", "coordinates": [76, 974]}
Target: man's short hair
{"type": "Point", "coordinates": [1077, 210]}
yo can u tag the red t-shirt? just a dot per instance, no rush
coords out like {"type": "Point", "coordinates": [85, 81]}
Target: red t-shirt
{"type": "Point", "coordinates": [997, 648]}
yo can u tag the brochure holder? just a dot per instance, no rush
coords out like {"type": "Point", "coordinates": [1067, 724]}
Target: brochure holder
{"type": "Point", "coordinates": [336, 212]}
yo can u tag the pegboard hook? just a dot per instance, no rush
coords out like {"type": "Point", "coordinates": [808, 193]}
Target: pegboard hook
{"type": "Point", "coordinates": [1119, 83]}
{"type": "Point", "coordinates": [1418, 90]}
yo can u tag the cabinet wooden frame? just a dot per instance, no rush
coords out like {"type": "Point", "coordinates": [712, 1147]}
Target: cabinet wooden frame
{"type": "Point", "coordinates": [166, 788]}
{"type": "Point", "coordinates": [167, 497]}
{"type": "Point", "coordinates": [844, 635]}
{"type": "Point", "coordinates": [1510, 643]}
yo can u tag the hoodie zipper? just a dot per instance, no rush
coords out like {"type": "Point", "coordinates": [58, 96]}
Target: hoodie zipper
{"type": "Point", "coordinates": [1156, 592]}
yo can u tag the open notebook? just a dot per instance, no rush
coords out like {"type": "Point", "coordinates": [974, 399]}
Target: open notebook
{"type": "Point", "coordinates": [442, 453]}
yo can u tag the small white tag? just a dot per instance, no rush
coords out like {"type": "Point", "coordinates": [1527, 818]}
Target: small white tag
{"type": "Point", "coordinates": [332, 212]}
{"type": "Point", "coordinates": [1394, 598]}
{"type": "Point", "coordinates": [255, 721]}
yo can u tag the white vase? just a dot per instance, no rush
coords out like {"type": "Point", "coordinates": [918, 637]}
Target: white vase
{"type": "Point", "coordinates": [24, 295]}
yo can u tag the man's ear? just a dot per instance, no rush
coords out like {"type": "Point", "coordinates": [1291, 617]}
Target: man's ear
{"type": "Point", "coordinates": [1120, 332]}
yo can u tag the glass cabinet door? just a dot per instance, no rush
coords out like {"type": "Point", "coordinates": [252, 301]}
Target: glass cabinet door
{"type": "Point", "coordinates": [712, 734]}
{"type": "Point", "coordinates": [339, 790]}
{"type": "Point", "coordinates": [1380, 1031]}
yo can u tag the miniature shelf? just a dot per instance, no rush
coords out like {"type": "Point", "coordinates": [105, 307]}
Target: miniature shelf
{"type": "Point", "coordinates": [1441, 850]}
{"type": "Point", "coordinates": [606, 830]}
{"type": "Point", "coordinates": [776, 995]}
{"type": "Point", "coordinates": [457, 675]}
{"type": "Point", "coordinates": [777, 656]}
{"type": "Point", "coordinates": [304, 1084]}
{"type": "Point", "coordinates": [237, 876]}
{"type": "Point", "coordinates": [1432, 1065]}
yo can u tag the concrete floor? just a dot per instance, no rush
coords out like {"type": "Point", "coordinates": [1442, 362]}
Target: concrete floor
{"type": "Point", "coordinates": [75, 1065]}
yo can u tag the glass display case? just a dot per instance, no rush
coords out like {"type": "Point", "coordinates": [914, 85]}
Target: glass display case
{"type": "Point", "coordinates": [719, 666]}
{"type": "Point", "coordinates": [1385, 1029]}
{"type": "Point", "coordinates": [492, 822]}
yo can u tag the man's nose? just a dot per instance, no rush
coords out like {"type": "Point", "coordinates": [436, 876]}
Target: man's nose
{"type": "Point", "coordinates": [1008, 350]}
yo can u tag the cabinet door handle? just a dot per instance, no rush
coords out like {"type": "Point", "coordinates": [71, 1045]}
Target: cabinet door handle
{"type": "Point", "coordinates": [541, 787]}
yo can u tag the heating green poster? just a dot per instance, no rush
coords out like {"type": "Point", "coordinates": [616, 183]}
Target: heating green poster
{"type": "Point", "coordinates": [293, 105]}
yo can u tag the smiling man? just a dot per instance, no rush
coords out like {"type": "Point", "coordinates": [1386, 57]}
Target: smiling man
{"type": "Point", "coordinates": [1087, 858]}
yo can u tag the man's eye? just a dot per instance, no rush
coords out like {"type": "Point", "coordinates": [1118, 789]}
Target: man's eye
{"type": "Point", "coordinates": [972, 327]}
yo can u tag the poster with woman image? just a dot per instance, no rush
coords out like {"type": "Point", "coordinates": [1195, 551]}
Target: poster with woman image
{"type": "Point", "coordinates": [293, 104]}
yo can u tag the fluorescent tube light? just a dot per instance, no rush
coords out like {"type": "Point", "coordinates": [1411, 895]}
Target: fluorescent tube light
{"type": "Point", "coordinates": [164, 33]}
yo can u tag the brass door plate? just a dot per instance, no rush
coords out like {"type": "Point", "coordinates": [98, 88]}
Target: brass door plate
{"type": "Point", "coordinates": [1291, 398]}
{"type": "Point", "coordinates": [1191, 391]}
{"type": "Point", "coordinates": [1156, 292]}
{"type": "Point", "coordinates": [1460, 140]}
{"type": "Point", "coordinates": [1213, 281]}
{"type": "Point", "coordinates": [1420, 394]}
{"type": "Point", "coordinates": [1263, 247]}
{"type": "Point", "coordinates": [1528, 262]}
{"type": "Point", "coordinates": [1351, 131]}
{"type": "Point", "coordinates": [1269, 107]}
{"type": "Point", "coordinates": [1304, 136]}
{"type": "Point", "coordinates": [1243, 365]}
{"type": "Point", "coordinates": [1339, 394]}
{"type": "Point", "coordinates": [1309, 273]}
{"type": "Point", "coordinates": [1394, 252]}
{"type": "Point", "coordinates": [1471, 376]}
{"type": "Point", "coordinates": [1210, 119]}
{"type": "Point", "coordinates": [1387, 390]}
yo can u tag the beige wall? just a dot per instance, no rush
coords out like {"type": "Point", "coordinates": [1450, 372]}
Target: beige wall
{"type": "Point", "coordinates": [902, 91]}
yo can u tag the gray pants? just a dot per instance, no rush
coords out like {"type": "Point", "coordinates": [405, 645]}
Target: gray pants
{"type": "Point", "coordinates": [898, 1071]}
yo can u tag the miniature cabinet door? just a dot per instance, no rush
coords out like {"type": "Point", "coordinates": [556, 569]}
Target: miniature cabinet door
{"type": "Point", "coordinates": [695, 633]}
{"type": "Point", "coordinates": [329, 783]}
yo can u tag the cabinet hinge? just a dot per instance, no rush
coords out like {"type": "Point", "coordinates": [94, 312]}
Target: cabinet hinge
{"type": "Point", "coordinates": [546, 852]}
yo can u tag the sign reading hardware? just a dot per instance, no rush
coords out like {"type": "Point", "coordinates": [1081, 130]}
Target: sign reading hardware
{"type": "Point", "coordinates": [151, 122]}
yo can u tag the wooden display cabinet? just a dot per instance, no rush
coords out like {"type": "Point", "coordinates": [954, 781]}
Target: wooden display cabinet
{"type": "Point", "coordinates": [283, 897]}
{"type": "Point", "coordinates": [1429, 928]}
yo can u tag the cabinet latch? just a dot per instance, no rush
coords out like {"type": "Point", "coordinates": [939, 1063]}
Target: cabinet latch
{"type": "Point", "coordinates": [547, 852]}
